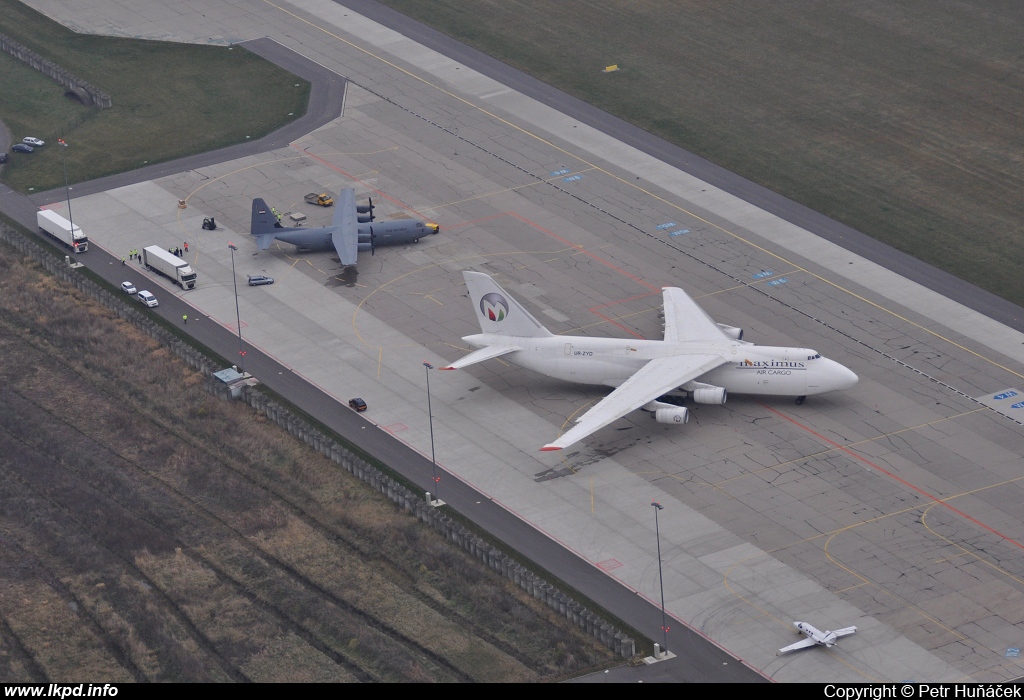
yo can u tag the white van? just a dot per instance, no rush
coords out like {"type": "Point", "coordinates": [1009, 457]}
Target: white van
{"type": "Point", "coordinates": [148, 299]}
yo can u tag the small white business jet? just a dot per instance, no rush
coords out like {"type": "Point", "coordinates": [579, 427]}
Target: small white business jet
{"type": "Point", "coordinates": [815, 637]}
{"type": "Point", "coordinates": [698, 358]}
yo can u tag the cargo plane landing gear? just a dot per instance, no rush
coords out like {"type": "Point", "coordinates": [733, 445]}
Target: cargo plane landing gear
{"type": "Point", "coordinates": [800, 400]}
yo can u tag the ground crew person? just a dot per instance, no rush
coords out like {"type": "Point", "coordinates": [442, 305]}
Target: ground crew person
{"type": "Point", "coordinates": [184, 318]}
{"type": "Point", "coordinates": [122, 260]}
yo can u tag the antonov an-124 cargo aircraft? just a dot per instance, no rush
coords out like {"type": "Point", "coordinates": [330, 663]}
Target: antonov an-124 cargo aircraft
{"type": "Point", "coordinates": [698, 358]}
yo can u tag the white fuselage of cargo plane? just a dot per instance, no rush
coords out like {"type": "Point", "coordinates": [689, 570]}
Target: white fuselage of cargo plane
{"type": "Point", "coordinates": [698, 358]}
{"type": "Point", "coordinates": [749, 369]}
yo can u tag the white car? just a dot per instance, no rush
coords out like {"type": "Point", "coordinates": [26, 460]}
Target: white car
{"type": "Point", "coordinates": [128, 288]}
{"type": "Point", "coordinates": [33, 141]}
{"type": "Point", "coordinates": [148, 299]}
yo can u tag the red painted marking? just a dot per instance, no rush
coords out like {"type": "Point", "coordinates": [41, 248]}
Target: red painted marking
{"type": "Point", "coordinates": [395, 428]}
{"type": "Point", "coordinates": [548, 448]}
{"type": "Point", "coordinates": [476, 221]}
{"type": "Point", "coordinates": [904, 482]}
{"type": "Point", "coordinates": [590, 255]}
{"type": "Point", "coordinates": [609, 564]}
{"type": "Point", "coordinates": [594, 310]}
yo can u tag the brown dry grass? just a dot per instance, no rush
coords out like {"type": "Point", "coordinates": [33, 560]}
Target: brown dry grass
{"type": "Point", "coordinates": [171, 536]}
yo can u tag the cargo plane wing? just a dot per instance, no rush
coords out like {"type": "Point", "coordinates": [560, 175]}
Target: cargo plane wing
{"type": "Point", "coordinates": [697, 359]}
{"type": "Point", "coordinates": [352, 229]}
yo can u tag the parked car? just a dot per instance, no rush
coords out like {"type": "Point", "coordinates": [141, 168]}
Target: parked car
{"type": "Point", "coordinates": [21, 148]}
{"type": "Point", "coordinates": [258, 280]}
{"type": "Point", "coordinates": [357, 404]}
{"type": "Point", "coordinates": [33, 141]}
{"type": "Point", "coordinates": [128, 288]}
{"type": "Point", "coordinates": [3, 158]}
{"type": "Point", "coordinates": [148, 299]}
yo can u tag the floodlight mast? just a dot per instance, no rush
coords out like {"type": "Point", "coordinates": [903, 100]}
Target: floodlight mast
{"type": "Point", "coordinates": [661, 579]}
{"type": "Point", "coordinates": [238, 316]}
{"type": "Point", "coordinates": [67, 193]}
{"type": "Point", "coordinates": [430, 414]}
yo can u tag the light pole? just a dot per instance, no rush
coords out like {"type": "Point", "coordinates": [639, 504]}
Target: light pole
{"type": "Point", "coordinates": [238, 316]}
{"type": "Point", "coordinates": [67, 192]}
{"type": "Point", "coordinates": [661, 580]}
{"type": "Point", "coordinates": [430, 415]}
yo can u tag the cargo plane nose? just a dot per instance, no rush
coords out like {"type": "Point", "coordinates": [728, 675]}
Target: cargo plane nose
{"type": "Point", "coordinates": [838, 377]}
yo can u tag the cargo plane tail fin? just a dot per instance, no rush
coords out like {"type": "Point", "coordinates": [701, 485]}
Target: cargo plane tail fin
{"type": "Point", "coordinates": [496, 310]}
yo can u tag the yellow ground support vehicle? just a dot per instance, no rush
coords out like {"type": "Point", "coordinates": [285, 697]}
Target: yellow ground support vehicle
{"type": "Point", "coordinates": [322, 200]}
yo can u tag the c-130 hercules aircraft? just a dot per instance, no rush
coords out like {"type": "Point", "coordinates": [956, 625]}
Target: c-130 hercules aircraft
{"type": "Point", "coordinates": [352, 229]}
{"type": "Point", "coordinates": [698, 358]}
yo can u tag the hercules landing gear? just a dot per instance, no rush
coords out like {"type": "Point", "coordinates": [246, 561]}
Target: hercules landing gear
{"type": "Point", "coordinates": [800, 400]}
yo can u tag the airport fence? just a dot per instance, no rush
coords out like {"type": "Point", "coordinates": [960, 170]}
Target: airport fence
{"type": "Point", "coordinates": [300, 428]}
{"type": "Point", "coordinates": [85, 93]}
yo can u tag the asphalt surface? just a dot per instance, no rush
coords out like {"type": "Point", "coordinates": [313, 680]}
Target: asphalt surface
{"type": "Point", "coordinates": [697, 659]}
{"type": "Point", "coordinates": [897, 261]}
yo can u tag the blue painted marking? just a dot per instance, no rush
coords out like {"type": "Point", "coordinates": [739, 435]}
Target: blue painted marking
{"type": "Point", "coordinates": [556, 173]}
{"type": "Point", "coordinates": [1012, 652]}
{"type": "Point", "coordinates": [1004, 395]}
{"type": "Point", "coordinates": [680, 232]}
{"type": "Point", "coordinates": [1019, 404]}
{"type": "Point", "coordinates": [764, 273]}
{"type": "Point", "coordinates": [572, 178]}
{"type": "Point", "coordinates": [776, 283]}
{"type": "Point", "coordinates": [662, 227]}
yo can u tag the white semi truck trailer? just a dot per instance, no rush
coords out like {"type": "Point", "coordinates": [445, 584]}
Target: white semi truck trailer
{"type": "Point", "coordinates": [156, 258]}
{"type": "Point", "coordinates": [63, 230]}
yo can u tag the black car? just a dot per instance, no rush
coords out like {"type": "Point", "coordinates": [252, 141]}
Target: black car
{"type": "Point", "coordinates": [257, 280]}
{"type": "Point", "coordinates": [3, 158]}
{"type": "Point", "coordinates": [21, 148]}
{"type": "Point", "coordinates": [357, 404]}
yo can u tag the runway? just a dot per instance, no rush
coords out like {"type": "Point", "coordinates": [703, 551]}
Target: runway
{"type": "Point", "coordinates": [894, 507]}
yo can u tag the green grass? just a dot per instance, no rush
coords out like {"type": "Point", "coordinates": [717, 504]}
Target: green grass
{"type": "Point", "coordinates": [170, 100]}
{"type": "Point", "coordinates": [901, 120]}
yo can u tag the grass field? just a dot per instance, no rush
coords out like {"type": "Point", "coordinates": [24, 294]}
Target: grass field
{"type": "Point", "coordinates": [902, 120]}
{"type": "Point", "coordinates": [150, 532]}
{"type": "Point", "coordinates": [170, 100]}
